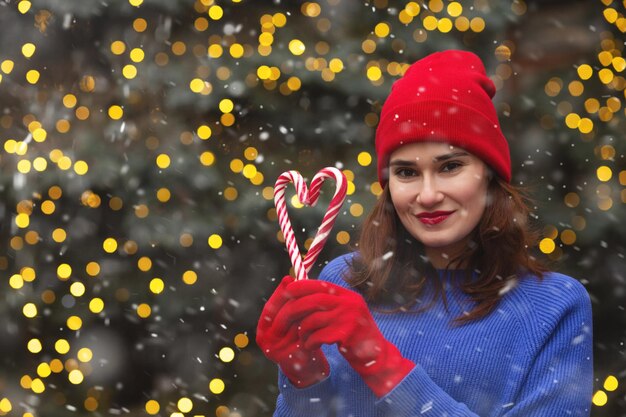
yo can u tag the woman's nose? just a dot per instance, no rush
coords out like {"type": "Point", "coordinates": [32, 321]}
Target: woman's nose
{"type": "Point", "coordinates": [429, 194]}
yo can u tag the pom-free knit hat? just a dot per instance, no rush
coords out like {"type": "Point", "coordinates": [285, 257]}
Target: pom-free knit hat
{"type": "Point", "coordinates": [443, 97]}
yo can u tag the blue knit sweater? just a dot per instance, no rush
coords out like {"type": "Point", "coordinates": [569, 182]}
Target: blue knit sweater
{"type": "Point", "coordinates": [532, 356]}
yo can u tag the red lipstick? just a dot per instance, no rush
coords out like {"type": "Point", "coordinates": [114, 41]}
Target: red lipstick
{"type": "Point", "coordinates": [435, 217]}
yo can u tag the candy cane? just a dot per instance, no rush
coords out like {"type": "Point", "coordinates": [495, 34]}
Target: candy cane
{"type": "Point", "coordinates": [308, 197]}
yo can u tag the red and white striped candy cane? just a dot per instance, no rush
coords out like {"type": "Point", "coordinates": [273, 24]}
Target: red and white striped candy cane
{"type": "Point", "coordinates": [308, 197]}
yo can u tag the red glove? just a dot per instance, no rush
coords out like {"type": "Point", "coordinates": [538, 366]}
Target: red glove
{"type": "Point", "coordinates": [282, 345]}
{"type": "Point", "coordinates": [331, 314]}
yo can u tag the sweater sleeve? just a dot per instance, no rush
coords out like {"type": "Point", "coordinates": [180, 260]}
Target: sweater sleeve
{"type": "Point", "coordinates": [311, 401]}
{"type": "Point", "coordinates": [559, 379]}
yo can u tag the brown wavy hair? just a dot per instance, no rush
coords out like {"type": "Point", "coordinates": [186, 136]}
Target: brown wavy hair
{"type": "Point", "coordinates": [392, 266]}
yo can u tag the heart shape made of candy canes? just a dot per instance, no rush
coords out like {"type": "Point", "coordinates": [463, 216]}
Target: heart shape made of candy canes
{"type": "Point", "coordinates": [308, 196]}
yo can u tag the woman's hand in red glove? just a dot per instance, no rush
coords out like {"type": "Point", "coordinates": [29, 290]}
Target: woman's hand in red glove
{"type": "Point", "coordinates": [282, 345]}
{"type": "Point", "coordinates": [331, 314]}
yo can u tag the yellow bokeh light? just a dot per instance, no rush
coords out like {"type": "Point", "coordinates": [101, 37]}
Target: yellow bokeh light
{"type": "Point", "coordinates": [92, 268]}
{"type": "Point", "coordinates": [74, 323]}
{"type": "Point", "coordinates": [32, 76]}
{"type": "Point", "coordinates": [604, 173]}
{"type": "Point", "coordinates": [216, 386]}
{"type": "Point", "coordinates": [29, 310]}
{"type": "Point", "coordinates": [7, 66]}
{"type": "Point", "coordinates": [236, 165]}
{"type": "Point", "coordinates": [118, 47]}
{"type": "Point", "coordinates": [84, 354]}
{"type": "Point", "coordinates": [611, 383]}
{"type": "Point", "coordinates": [76, 376]}
{"type": "Point", "coordinates": [26, 382]}
{"type": "Point", "coordinates": [24, 166]}
{"type": "Point", "coordinates": [215, 241]}
{"type": "Point", "coordinates": [144, 264]}
{"type": "Point", "coordinates": [96, 305]}
{"type": "Point", "coordinates": [43, 370]}
{"type": "Point", "coordinates": [368, 46]}
{"type": "Point", "coordinates": [585, 125]}
{"type": "Point", "coordinates": [455, 9]}
{"type": "Point", "coordinates": [382, 30]}
{"type": "Point", "coordinates": [343, 237]}
{"type": "Point", "coordinates": [5, 405]}
{"type": "Point", "coordinates": [430, 23]}
{"type": "Point", "coordinates": [116, 112]}
{"type": "Point", "coordinates": [77, 289]}
{"type": "Point", "coordinates": [606, 75]}
{"type": "Point", "coordinates": [163, 161]}
{"type": "Point", "coordinates": [48, 207]}
{"type": "Point", "coordinates": [140, 25]}
{"type": "Point", "coordinates": [163, 195]}
{"type": "Point", "coordinates": [444, 25]}
{"type": "Point", "coordinates": [364, 159]}
{"type": "Point", "coordinates": [226, 354]}
{"type": "Point", "coordinates": [216, 12]}
{"type": "Point", "coordinates": [70, 101]}
{"type": "Point", "coordinates": [144, 310]}
{"type": "Point", "coordinates": [374, 73]}
{"type": "Point", "coordinates": [190, 277]}
{"type": "Point", "coordinates": [37, 386]}
{"type": "Point", "coordinates": [64, 163]}
{"type": "Point", "coordinates": [64, 271]}
{"type": "Point", "coordinates": [22, 220]}
{"type": "Point", "coordinates": [584, 71]}
{"type": "Point", "coordinates": [477, 24]}
{"type": "Point", "coordinates": [546, 245]}
{"type": "Point", "coordinates": [152, 407]}
{"type": "Point", "coordinates": [226, 105]}
{"type": "Point", "coordinates": [356, 210]}
{"type": "Point", "coordinates": [215, 51]}
{"type": "Point", "coordinates": [23, 6]}
{"type": "Point", "coordinates": [129, 71]}
{"type": "Point", "coordinates": [34, 346]}
{"type": "Point", "coordinates": [137, 55]}
{"type": "Point", "coordinates": [241, 341]}
{"type": "Point", "coordinates": [109, 245]}
{"type": "Point", "coordinates": [81, 167]}
{"type": "Point", "coordinates": [56, 366]}
{"type": "Point", "coordinates": [599, 398]}
{"type": "Point", "coordinates": [296, 47]}
{"type": "Point", "coordinates": [572, 120]}
{"type": "Point", "coordinates": [40, 164]}
{"type": "Point", "coordinates": [207, 158]}
{"type": "Point", "coordinates": [82, 113]}
{"type": "Point", "coordinates": [264, 72]}
{"type": "Point", "coordinates": [236, 50]}
{"type": "Point", "coordinates": [16, 281]}
{"type": "Point", "coordinates": [157, 285]}
{"type": "Point", "coordinates": [249, 171]}
{"type": "Point", "coordinates": [184, 405]}
{"type": "Point", "coordinates": [204, 132]}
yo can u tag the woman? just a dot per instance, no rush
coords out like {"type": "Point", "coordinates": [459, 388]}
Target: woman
{"type": "Point", "coordinates": [442, 311]}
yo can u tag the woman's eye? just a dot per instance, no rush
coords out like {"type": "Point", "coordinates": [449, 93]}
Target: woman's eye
{"type": "Point", "coordinates": [405, 172]}
{"type": "Point", "coordinates": [451, 166]}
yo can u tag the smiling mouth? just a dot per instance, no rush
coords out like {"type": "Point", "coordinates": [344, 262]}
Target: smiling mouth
{"type": "Point", "coordinates": [435, 219]}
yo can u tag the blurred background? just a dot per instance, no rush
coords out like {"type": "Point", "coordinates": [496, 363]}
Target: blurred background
{"type": "Point", "coordinates": [140, 141]}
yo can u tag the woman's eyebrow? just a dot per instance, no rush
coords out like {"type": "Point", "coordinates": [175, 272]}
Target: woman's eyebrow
{"type": "Point", "coordinates": [449, 156]}
{"type": "Point", "coordinates": [402, 162]}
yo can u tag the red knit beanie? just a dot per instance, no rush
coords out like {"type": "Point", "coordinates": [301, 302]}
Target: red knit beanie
{"type": "Point", "coordinates": [443, 97]}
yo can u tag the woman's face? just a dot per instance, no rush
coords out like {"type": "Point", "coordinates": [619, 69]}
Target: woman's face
{"type": "Point", "coordinates": [439, 192]}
